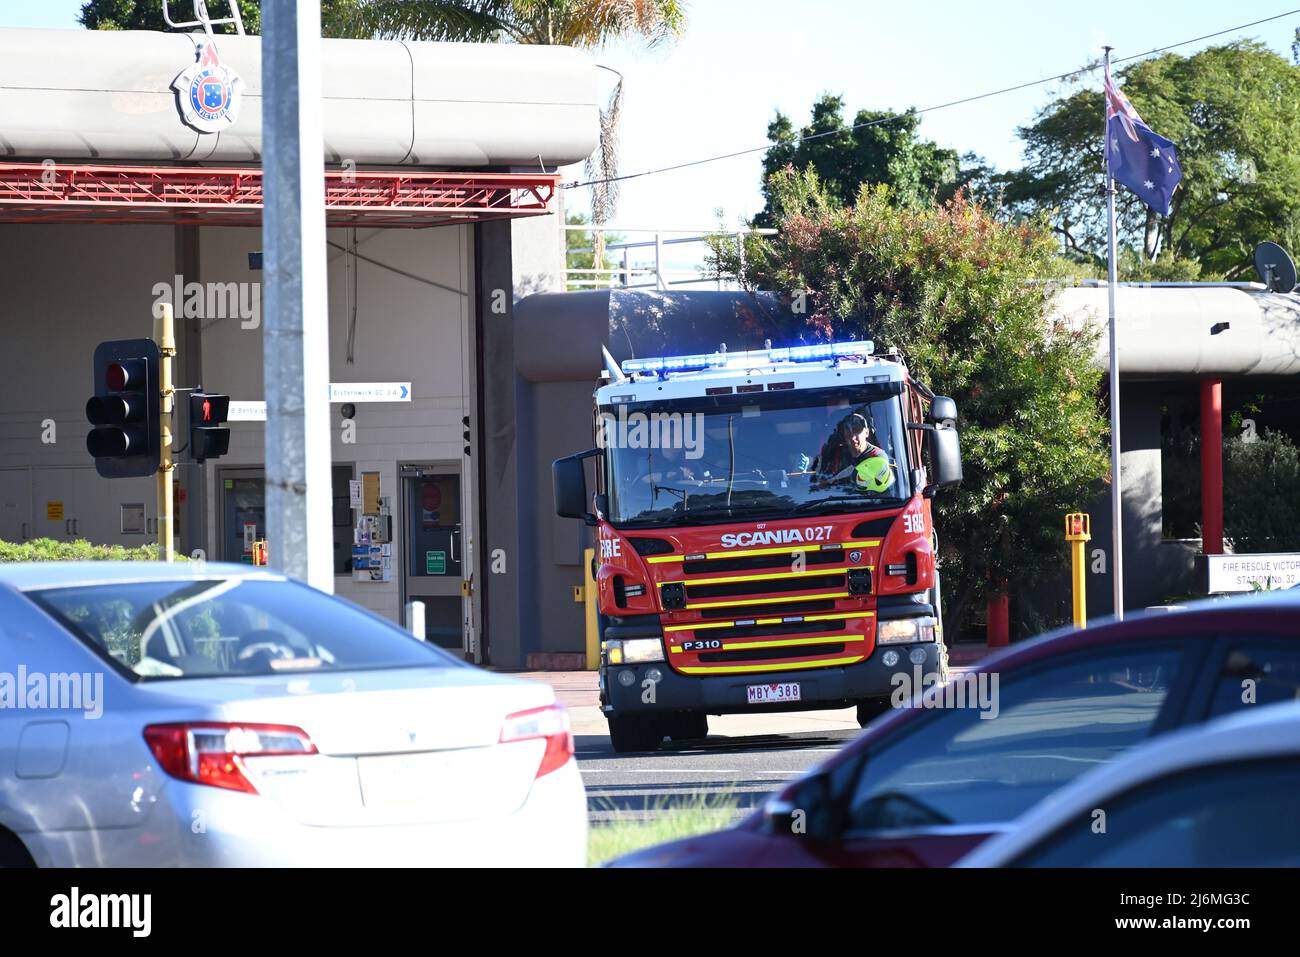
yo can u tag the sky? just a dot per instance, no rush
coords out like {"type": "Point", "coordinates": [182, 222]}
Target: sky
{"type": "Point", "coordinates": [739, 61]}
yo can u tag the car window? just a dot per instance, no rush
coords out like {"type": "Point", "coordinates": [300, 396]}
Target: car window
{"type": "Point", "coordinates": [1224, 815]}
{"type": "Point", "coordinates": [1042, 727]}
{"type": "Point", "coordinates": [1257, 672]}
{"type": "Point", "coordinates": [231, 626]}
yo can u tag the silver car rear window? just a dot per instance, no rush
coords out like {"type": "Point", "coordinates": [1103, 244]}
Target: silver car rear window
{"type": "Point", "coordinates": [171, 629]}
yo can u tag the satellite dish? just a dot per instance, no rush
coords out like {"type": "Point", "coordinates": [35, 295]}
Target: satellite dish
{"type": "Point", "coordinates": [1275, 268]}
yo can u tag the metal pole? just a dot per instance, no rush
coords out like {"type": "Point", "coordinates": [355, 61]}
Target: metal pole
{"type": "Point", "coordinates": [1211, 467]}
{"type": "Point", "coordinates": [1116, 494]}
{"type": "Point", "coordinates": [659, 262]}
{"type": "Point", "coordinates": [295, 336]}
{"type": "Point", "coordinates": [164, 334]}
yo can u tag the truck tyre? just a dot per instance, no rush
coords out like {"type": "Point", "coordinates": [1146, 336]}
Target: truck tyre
{"type": "Point", "coordinates": [870, 709]}
{"type": "Point", "coordinates": [689, 726]}
{"type": "Point", "coordinates": [629, 733]}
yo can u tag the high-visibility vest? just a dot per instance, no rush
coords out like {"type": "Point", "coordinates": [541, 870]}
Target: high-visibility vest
{"type": "Point", "coordinates": [874, 473]}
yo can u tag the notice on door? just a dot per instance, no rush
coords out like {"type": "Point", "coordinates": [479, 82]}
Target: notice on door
{"type": "Point", "coordinates": [54, 511]}
{"type": "Point", "coordinates": [370, 493]}
{"type": "Point", "coordinates": [435, 563]}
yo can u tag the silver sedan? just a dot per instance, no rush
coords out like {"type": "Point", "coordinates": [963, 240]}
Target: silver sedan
{"type": "Point", "coordinates": [210, 714]}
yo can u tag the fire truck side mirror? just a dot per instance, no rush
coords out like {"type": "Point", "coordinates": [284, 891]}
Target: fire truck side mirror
{"type": "Point", "coordinates": [945, 458]}
{"type": "Point", "coordinates": [570, 480]}
{"type": "Point", "coordinates": [943, 411]}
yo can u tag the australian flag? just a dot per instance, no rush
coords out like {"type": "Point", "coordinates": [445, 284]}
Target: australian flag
{"type": "Point", "coordinates": [1141, 159]}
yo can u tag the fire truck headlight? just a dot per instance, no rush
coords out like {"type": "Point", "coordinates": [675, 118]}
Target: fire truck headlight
{"type": "Point", "coordinates": [905, 630]}
{"type": "Point", "coordinates": [639, 650]}
{"type": "Point", "coordinates": [889, 658]}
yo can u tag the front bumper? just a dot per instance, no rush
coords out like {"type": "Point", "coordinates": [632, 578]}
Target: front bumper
{"type": "Point", "coordinates": [820, 688]}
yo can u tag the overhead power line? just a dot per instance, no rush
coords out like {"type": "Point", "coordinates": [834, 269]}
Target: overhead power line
{"type": "Point", "coordinates": [929, 109]}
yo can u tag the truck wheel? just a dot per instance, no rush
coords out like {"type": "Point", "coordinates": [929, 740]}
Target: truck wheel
{"type": "Point", "coordinates": [689, 726]}
{"type": "Point", "coordinates": [871, 709]}
{"type": "Point", "coordinates": [634, 733]}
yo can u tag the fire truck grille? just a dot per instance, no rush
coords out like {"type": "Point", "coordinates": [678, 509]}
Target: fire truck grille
{"type": "Point", "coordinates": [793, 606]}
{"type": "Point", "coordinates": [768, 654]}
{"type": "Point", "coordinates": [766, 631]}
{"type": "Point", "coordinates": [779, 560]}
{"type": "Point", "coordinates": [765, 586]}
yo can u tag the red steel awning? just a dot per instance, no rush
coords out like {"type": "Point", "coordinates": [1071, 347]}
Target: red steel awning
{"type": "Point", "coordinates": [232, 196]}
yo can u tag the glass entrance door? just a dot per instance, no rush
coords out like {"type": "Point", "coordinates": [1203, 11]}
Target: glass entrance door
{"type": "Point", "coordinates": [434, 551]}
{"type": "Point", "coordinates": [243, 519]}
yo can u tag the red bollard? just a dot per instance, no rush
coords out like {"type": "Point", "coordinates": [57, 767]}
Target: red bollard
{"type": "Point", "coordinates": [999, 620]}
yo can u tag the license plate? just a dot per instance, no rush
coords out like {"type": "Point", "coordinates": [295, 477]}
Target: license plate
{"type": "Point", "coordinates": [774, 693]}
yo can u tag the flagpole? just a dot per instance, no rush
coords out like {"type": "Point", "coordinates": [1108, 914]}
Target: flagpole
{"type": "Point", "coordinates": [1116, 495]}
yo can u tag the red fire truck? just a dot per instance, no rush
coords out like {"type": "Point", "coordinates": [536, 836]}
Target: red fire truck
{"type": "Point", "coordinates": [764, 534]}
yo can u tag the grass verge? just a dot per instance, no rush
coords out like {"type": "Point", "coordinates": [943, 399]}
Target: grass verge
{"type": "Point", "coordinates": [664, 819]}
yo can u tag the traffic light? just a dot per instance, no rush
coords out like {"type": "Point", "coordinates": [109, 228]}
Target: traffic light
{"type": "Point", "coordinates": [208, 440]}
{"type": "Point", "coordinates": [125, 409]}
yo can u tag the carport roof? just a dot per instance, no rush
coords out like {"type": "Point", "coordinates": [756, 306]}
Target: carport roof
{"type": "Point", "coordinates": [52, 192]}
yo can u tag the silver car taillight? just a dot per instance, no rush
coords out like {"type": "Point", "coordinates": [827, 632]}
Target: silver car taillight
{"type": "Point", "coordinates": [213, 752]}
{"type": "Point", "coordinates": [550, 723]}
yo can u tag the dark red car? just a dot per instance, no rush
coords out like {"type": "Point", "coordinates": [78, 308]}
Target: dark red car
{"type": "Point", "coordinates": [926, 782]}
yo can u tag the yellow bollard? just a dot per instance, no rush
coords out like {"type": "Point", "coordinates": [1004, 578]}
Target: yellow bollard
{"type": "Point", "coordinates": [589, 592]}
{"type": "Point", "coordinates": [1078, 530]}
{"type": "Point", "coordinates": [164, 334]}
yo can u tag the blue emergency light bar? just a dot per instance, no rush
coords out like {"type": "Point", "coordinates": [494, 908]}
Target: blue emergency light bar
{"type": "Point", "coordinates": [748, 360]}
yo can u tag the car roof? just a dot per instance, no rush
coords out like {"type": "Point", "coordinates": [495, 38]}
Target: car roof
{"type": "Point", "coordinates": [1262, 731]}
{"type": "Point", "coordinates": [1188, 621]}
{"type": "Point", "coordinates": [31, 576]}
{"type": "Point", "coordinates": [1205, 619]}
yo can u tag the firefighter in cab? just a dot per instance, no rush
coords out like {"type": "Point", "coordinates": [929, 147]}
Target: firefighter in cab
{"type": "Point", "coordinates": [851, 457]}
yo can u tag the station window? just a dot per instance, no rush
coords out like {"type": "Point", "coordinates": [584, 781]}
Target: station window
{"type": "Point", "coordinates": [243, 514]}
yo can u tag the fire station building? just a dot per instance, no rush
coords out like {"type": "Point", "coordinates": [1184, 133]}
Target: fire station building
{"type": "Point", "coordinates": [130, 176]}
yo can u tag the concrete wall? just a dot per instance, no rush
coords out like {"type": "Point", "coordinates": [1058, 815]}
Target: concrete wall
{"type": "Point", "coordinates": [1154, 569]}
{"type": "Point", "coordinates": [68, 287]}
{"type": "Point", "coordinates": [62, 290]}
{"type": "Point", "coordinates": [413, 305]}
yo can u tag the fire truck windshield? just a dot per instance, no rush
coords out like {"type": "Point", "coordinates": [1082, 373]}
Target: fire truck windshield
{"type": "Point", "coordinates": [767, 454]}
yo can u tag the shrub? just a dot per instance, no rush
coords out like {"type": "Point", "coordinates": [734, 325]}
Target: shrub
{"type": "Point", "coordinates": [77, 550]}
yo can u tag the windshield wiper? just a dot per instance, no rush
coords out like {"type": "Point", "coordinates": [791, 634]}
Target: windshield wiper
{"type": "Point", "coordinates": [739, 512]}
{"type": "Point", "coordinates": [836, 500]}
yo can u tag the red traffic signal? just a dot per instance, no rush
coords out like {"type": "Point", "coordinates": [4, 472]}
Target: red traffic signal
{"type": "Point", "coordinates": [124, 410]}
{"type": "Point", "coordinates": [208, 440]}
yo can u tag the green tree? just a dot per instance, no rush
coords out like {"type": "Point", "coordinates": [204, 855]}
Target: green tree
{"type": "Point", "coordinates": [1231, 112]}
{"type": "Point", "coordinates": [890, 152]}
{"type": "Point", "coordinates": [945, 284]}
{"type": "Point", "coordinates": [584, 23]}
{"type": "Point", "coordinates": [1261, 493]}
